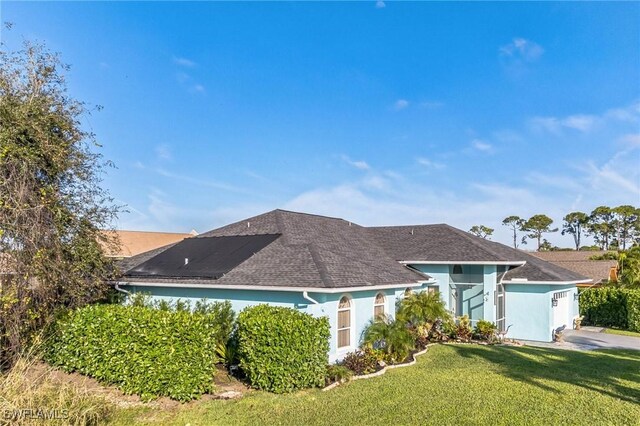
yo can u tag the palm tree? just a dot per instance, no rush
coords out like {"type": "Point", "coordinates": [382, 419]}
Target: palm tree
{"type": "Point", "coordinates": [390, 336]}
{"type": "Point", "coordinates": [419, 309]}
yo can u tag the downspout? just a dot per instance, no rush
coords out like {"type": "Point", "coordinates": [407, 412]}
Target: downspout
{"type": "Point", "coordinates": [305, 295]}
{"type": "Point", "coordinates": [121, 290]}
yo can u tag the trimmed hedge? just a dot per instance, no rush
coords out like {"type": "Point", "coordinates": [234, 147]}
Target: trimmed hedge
{"type": "Point", "coordinates": [611, 307]}
{"type": "Point", "coordinates": [281, 349]}
{"type": "Point", "coordinates": [142, 350]}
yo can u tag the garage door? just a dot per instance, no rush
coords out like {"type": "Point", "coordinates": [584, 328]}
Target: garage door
{"type": "Point", "coordinates": [560, 304]}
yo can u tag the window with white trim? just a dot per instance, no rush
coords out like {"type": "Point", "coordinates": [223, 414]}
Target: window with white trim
{"type": "Point", "coordinates": [344, 322]}
{"type": "Point", "coordinates": [378, 305]}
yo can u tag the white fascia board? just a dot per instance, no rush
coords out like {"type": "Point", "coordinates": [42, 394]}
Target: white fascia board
{"type": "Point", "coordinates": [525, 281]}
{"type": "Point", "coordinates": [274, 288]}
{"type": "Point", "coordinates": [463, 262]}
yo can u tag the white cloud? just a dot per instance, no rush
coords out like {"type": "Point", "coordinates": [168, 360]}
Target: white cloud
{"type": "Point", "coordinates": [581, 122]}
{"type": "Point", "coordinates": [481, 145]}
{"type": "Point", "coordinates": [183, 62]}
{"type": "Point", "coordinates": [380, 4]}
{"type": "Point", "coordinates": [400, 104]}
{"type": "Point", "coordinates": [163, 152]}
{"type": "Point", "coordinates": [430, 164]}
{"type": "Point", "coordinates": [631, 140]}
{"type": "Point", "coordinates": [522, 49]}
{"type": "Point", "coordinates": [431, 104]}
{"type": "Point", "coordinates": [199, 88]}
{"type": "Point", "coordinates": [358, 164]}
{"type": "Point", "coordinates": [202, 182]}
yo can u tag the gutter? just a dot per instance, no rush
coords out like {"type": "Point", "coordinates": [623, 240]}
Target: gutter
{"type": "Point", "coordinates": [463, 262]}
{"type": "Point", "coordinates": [273, 288]}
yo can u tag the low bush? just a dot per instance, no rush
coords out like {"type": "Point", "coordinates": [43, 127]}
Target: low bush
{"type": "Point", "coordinates": [463, 329]}
{"type": "Point", "coordinates": [362, 361]}
{"type": "Point", "coordinates": [337, 373]}
{"type": "Point", "coordinates": [142, 350]}
{"type": "Point", "coordinates": [389, 336]}
{"type": "Point", "coordinates": [281, 349]}
{"type": "Point", "coordinates": [485, 330]}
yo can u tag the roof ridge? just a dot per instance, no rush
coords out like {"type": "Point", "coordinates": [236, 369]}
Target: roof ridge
{"type": "Point", "coordinates": [475, 241]}
{"type": "Point", "coordinates": [312, 214]}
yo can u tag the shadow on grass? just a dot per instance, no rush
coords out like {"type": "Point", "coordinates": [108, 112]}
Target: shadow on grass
{"type": "Point", "coordinates": [600, 371]}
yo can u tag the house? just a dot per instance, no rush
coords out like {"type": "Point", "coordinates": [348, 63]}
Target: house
{"type": "Point", "coordinates": [580, 262]}
{"type": "Point", "coordinates": [332, 267]}
{"type": "Point", "coordinates": [131, 243]}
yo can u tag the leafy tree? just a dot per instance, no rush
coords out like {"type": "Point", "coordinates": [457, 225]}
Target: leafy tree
{"type": "Point", "coordinates": [601, 226]}
{"type": "Point", "coordinates": [629, 268]}
{"type": "Point", "coordinates": [538, 225]}
{"type": "Point", "coordinates": [574, 224]}
{"type": "Point", "coordinates": [481, 231]}
{"type": "Point", "coordinates": [51, 203]}
{"type": "Point", "coordinates": [515, 223]}
{"type": "Point", "coordinates": [625, 221]}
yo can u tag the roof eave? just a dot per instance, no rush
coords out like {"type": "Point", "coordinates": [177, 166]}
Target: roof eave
{"type": "Point", "coordinates": [274, 288]}
{"type": "Point", "coordinates": [464, 262]}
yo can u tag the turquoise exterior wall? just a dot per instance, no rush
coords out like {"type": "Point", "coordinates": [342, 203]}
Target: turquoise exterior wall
{"type": "Point", "coordinates": [528, 306]}
{"type": "Point", "coordinates": [530, 312]}
{"type": "Point", "coordinates": [361, 311]}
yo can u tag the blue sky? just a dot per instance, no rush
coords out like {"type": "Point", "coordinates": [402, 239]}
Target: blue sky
{"type": "Point", "coordinates": [391, 113]}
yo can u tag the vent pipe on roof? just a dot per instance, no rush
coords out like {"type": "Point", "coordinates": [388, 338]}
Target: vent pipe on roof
{"type": "Point", "coordinates": [248, 224]}
{"type": "Point", "coordinates": [411, 231]}
{"type": "Point", "coordinates": [186, 260]}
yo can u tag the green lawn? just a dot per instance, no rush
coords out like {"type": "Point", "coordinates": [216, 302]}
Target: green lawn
{"type": "Point", "coordinates": [621, 332]}
{"type": "Point", "coordinates": [455, 384]}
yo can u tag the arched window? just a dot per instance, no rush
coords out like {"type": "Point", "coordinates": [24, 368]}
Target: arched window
{"type": "Point", "coordinates": [344, 322]}
{"type": "Point", "coordinates": [378, 305]}
{"type": "Point", "coordinates": [457, 269]}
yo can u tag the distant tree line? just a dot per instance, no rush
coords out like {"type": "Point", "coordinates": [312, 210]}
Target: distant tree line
{"type": "Point", "coordinates": [612, 228]}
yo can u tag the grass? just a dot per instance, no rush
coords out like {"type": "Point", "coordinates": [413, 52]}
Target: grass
{"type": "Point", "coordinates": [622, 332]}
{"type": "Point", "coordinates": [453, 384]}
{"type": "Point", "coordinates": [30, 385]}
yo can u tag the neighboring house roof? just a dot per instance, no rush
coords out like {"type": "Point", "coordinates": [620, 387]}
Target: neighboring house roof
{"type": "Point", "coordinates": [580, 262]}
{"type": "Point", "coordinates": [131, 243]}
{"type": "Point", "coordinates": [323, 252]}
{"type": "Point", "coordinates": [444, 243]}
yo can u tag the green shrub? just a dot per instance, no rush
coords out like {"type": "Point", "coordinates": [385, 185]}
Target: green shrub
{"type": "Point", "coordinates": [463, 328]}
{"type": "Point", "coordinates": [485, 330]}
{"type": "Point", "coordinates": [142, 350]}
{"type": "Point", "coordinates": [633, 310]}
{"type": "Point", "coordinates": [389, 336]}
{"type": "Point", "coordinates": [604, 306]}
{"type": "Point", "coordinates": [363, 361]}
{"type": "Point", "coordinates": [281, 349]}
{"type": "Point", "coordinates": [611, 307]}
{"type": "Point", "coordinates": [422, 308]}
{"type": "Point", "coordinates": [337, 373]}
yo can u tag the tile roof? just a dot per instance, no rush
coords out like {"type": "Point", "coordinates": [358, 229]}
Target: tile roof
{"type": "Point", "coordinates": [580, 263]}
{"type": "Point", "coordinates": [131, 243]}
{"type": "Point", "coordinates": [325, 252]}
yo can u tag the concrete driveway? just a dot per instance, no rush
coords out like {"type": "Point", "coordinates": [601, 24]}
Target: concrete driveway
{"type": "Point", "coordinates": [593, 338]}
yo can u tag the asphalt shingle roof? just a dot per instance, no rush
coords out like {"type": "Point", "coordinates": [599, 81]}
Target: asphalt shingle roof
{"type": "Point", "coordinates": [312, 251]}
{"type": "Point", "coordinates": [445, 243]}
{"type": "Point", "coordinates": [324, 252]}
